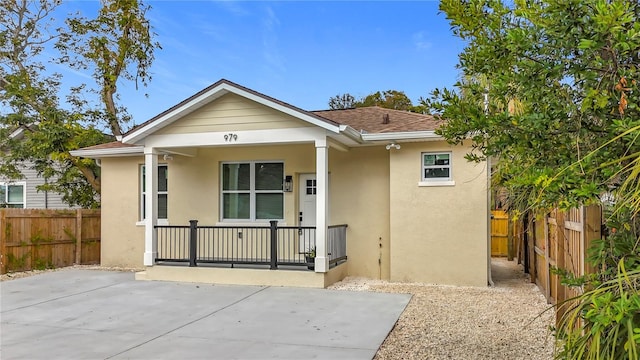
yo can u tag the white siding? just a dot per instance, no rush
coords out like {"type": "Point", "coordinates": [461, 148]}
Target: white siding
{"type": "Point", "coordinates": [39, 199]}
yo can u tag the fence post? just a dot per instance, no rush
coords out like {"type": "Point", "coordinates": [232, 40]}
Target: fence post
{"type": "Point", "coordinates": [78, 236]}
{"type": "Point", "coordinates": [193, 242]}
{"type": "Point", "coordinates": [274, 244]}
{"type": "Point", "coordinates": [3, 242]}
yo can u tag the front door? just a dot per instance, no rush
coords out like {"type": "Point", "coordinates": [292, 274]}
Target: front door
{"type": "Point", "coordinates": [307, 212]}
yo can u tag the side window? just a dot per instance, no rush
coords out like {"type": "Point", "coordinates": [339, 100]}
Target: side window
{"type": "Point", "coordinates": [436, 166]}
{"type": "Point", "coordinates": [12, 195]}
{"type": "Point", "coordinates": [162, 192]}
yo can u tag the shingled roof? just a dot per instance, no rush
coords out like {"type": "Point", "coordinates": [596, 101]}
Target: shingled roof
{"type": "Point", "coordinates": [375, 119]}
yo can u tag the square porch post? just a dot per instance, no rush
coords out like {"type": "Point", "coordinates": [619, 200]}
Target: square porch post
{"type": "Point", "coordinates": [322, 200]}
{"type": "Point", "coordinates": [150, 205]}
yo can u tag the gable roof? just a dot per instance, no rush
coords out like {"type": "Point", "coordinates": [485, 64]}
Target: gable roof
{"type": "Point", "coordinates": [372, 120]}
{"type": "Point", "coordinates": [213, 92]}
{"type": "Point", "coordinates": [363, 125]}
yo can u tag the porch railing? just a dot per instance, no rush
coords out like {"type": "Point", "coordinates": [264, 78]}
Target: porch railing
{"type": "Point", "coordinates": [251, 245]}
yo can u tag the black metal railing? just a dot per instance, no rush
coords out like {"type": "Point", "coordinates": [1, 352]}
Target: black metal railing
{"type": "Point", "coordinates": [251, 245]}
{"type": "Point", "coordinates": [337, 243]}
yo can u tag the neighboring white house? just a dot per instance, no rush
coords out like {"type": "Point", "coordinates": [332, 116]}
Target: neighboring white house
{"type": "Point", "coordinates": [23, 193]}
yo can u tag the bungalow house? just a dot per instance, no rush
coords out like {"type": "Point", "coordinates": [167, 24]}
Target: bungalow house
{"type": "Point", "coordinates": [368, 192]}
{"type": "Point", "coordinates": [24, 193]}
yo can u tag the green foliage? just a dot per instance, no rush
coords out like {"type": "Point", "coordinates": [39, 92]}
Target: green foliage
{"type": "Point", "coordinates": [42, 264]}
{"type": "Point", "coordinates": [342, 101]}
{"type": "Point", "coordinates": [550, 90]}
{"type": "Point", "coordinates": [116, 45]}
{"type": "Point", "coordinates": [560, 83]}
{"type": "Point", "coordinates": [389, 99]}
{"type": "Point", "coordinates": [603, 323]}
{"type": "Point", "coordinates": [15, 263]}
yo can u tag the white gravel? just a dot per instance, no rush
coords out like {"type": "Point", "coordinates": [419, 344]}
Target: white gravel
{"type": "Point", "coordinates": [507, 321]}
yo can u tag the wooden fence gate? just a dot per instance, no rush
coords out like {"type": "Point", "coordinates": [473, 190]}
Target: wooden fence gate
{"type": "Point", "coordinates": [37, 239]}
{"type": "Point", "coordinates": [500, 233]}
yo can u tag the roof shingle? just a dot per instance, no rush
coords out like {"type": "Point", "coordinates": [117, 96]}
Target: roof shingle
{"type": "Point", "coordinates": [371, 119]}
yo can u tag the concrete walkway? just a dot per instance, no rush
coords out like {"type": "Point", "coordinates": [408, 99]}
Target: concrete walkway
{"type": "Point", "coordinates": [89, 314]}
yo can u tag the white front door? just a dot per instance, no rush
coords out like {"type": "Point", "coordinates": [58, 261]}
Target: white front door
{"type": "Point", "coordinates": [307, 212]}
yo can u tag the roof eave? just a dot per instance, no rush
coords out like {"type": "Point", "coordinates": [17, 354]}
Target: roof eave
{"type": "Point", "coordinates": [351, 133]}
{"type": "Point", "coordinates": [103, 153]}
{"type": "Point", "coordinates": [424, 135]}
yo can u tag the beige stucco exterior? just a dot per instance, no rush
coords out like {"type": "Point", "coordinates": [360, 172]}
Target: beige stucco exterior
{"type": "Point", "coordinates": [398, 228]}
{"type": "Point", "coordinates": [439, 233]}
{"type": "Point", "coordinates": [122, 241]}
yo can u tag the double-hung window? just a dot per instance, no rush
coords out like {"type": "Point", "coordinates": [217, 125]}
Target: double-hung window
{"type": "Point", "coordinates": [162, 192]}
{"type": "Point", "coordinates": [252, 191]}
{"type": "Point", "coordinates": [12, 195]}
{"type": "Point", "coordinates": [436, 166]}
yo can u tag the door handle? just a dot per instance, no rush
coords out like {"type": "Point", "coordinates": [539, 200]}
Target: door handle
{"type": "Point", "coordinates": [300, 216]}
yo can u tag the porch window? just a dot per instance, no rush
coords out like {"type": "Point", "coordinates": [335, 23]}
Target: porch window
{"type": "Point", "coordinates": [436, 166]}
{"type": "Point", "coordinates": [12, 195]}
{"type": "Point", "coordinates": [162, 192]}
{"type": "Point", "coordinates": [252, 191]}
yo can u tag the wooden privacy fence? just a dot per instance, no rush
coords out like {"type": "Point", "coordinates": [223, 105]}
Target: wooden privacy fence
{"type": "Point", "coordinates": [37, 239]}
{"type": "Point", "coordinates": [557, 239]}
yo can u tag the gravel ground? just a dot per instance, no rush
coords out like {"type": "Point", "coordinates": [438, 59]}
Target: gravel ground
{"type": "Point", "coordinates": [450, 322]}
{"type": "Point", "coordinates": [447, 322]}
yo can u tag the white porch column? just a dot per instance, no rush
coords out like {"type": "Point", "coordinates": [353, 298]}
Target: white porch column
{"type": "Point", "coordinates": [150, 205]}
{"type": "Point", "coordinates": [322, 201]}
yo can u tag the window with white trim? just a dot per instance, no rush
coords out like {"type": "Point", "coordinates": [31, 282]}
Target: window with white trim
{"type": "Point", "coordinates": [162, 192]}
{"type": "Point", "coordinates": [252, 191]}
{"type": "Point", "coordinates": [436, 166]}
{"type": "Point", "coordinates": [13, 195]}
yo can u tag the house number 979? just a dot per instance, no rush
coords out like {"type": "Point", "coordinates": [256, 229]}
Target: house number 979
{"type": "Point", "coordinates": [230, 137]}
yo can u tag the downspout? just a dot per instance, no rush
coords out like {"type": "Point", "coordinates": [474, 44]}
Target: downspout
{"type": "Point", "coordinates": [46, 195]}
{"type": "Point", "coordinates": [489, 215]}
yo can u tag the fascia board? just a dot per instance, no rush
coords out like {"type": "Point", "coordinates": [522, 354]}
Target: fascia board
{"type": "Point", "coordinates": [168, 117]}
{"type": "Point", "coordinates": [102, 153]}
{"type": "Point", "coordinates": [351, 133]}
{"type": "Point", "coordinates": [398, 136]}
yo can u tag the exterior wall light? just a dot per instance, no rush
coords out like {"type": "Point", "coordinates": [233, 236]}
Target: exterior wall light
{"type": "Point", "coordinates": [288, 183]}
{"type": "Point", "coordinates": [393, 145]}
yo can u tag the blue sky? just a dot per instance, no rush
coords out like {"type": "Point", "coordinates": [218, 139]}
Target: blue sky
{"type": "Point", "coordinates": [300, 52]}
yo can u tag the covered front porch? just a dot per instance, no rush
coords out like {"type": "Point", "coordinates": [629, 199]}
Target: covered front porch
{"type": "Point", "coordinates": [258, 219]}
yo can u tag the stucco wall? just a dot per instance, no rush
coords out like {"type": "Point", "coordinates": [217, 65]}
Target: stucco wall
{"type": "Point", "coordinates": [359, 197]}
{"type": "Point", "coordinates": [122, 241]}
{"type": "Point", "coordinates": [438, 234]}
